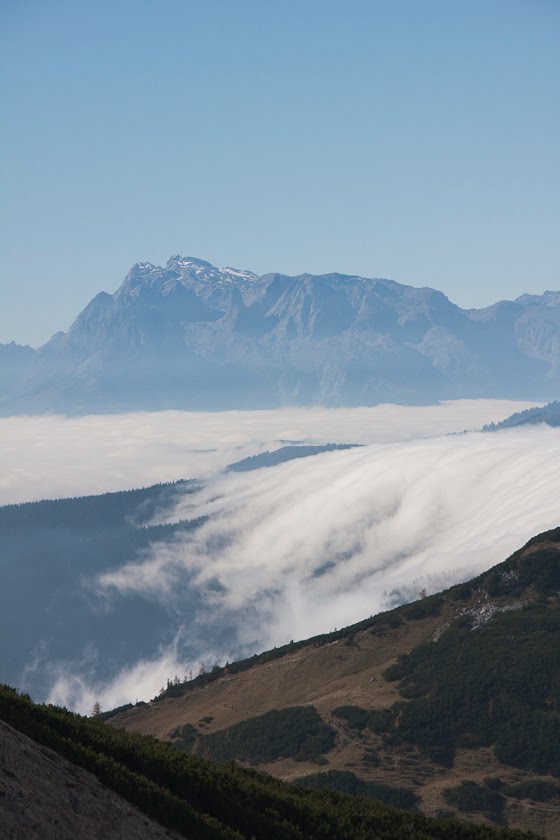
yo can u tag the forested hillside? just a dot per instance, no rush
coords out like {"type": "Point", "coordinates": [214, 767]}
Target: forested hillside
{"type": "Point", "coordinates": [549, 414]}
{"type": "Point", "coordinates": [219, 802]}
{"type": "Point", "coordinates": [451, 702]}
{"type": "Point", "coordinates": [50, 551]}
{"type": "Point", "coordinates": [285, 453]}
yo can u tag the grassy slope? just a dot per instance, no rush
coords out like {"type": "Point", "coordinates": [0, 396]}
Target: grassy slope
{"type": "Point", "coordinates": [222, 802]}
{"type": "Point", "coordinates": [348, 668]}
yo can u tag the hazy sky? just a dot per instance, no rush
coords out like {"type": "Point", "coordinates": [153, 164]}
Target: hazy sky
{"type": "Point", "coordinates": [404, 139]}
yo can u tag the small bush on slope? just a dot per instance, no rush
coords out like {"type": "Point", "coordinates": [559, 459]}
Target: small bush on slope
{"type": "Point", "coordinates": [298, 732]}
{"type": "Point", "coordinates": [344, 781]}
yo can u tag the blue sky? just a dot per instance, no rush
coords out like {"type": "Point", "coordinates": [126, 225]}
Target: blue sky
{"type": "Point", "coordinates": [403, 139]}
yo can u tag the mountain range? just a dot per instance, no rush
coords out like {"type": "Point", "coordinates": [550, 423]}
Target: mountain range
{"type": "Point", "coordinates": [190, 335]}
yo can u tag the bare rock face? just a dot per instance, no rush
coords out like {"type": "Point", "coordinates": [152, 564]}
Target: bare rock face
{"type": "Point", "coordinates": [45, 797]}
{"type": "Point", "coordinates": [190, 335]}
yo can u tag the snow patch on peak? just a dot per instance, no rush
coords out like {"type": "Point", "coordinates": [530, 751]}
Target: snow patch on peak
{"type": "Point", "coordinates": [238, 272]}
{"type": "Point", "coordinates": [192, 268]}
{"type": "Point", "coordinates": [187, 262]}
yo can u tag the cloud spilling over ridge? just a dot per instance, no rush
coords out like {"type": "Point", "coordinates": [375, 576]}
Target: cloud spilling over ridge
{"type": "Point", "coordinates": [72, 688]}
{"type": "Point", "coordinates": [311, 545]}
{"type": "Point", "coordinates": [55, 456]}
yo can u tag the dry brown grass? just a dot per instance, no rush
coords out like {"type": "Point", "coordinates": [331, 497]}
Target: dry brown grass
{"type": "Point", "coordinates": [325, 677]}
{"type": "Point", "coordinates": [342, 673]}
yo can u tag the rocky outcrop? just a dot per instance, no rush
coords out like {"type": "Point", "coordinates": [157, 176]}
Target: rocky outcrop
{"type": "Point", "coordinates": [45, 797]}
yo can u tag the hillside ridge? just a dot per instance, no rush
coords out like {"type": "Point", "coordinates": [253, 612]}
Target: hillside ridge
{"type": "Point", "coordinates": [390, 689]}
{"type": "Point", "coordinates": [213, 802]}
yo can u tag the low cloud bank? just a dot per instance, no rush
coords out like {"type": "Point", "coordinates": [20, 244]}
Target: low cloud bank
{"type": "Point", "coordinates": [54, 456]}
{"type": "Point", "coordinates": [311, 545]}
{"type": "Point", "coordinates": [72, 688]}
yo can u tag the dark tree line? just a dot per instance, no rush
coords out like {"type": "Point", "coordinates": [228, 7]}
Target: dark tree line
{"type": "Point", "coordinates": [219, 802]}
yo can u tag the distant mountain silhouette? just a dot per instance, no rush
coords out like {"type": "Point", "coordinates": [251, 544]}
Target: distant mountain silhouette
{"type": "Point", "coordinates": [194, 336]}
{"type": "Point", "coordinates": [285, 453]}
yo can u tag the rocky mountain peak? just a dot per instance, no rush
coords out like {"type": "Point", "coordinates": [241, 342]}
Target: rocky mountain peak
{"type": "Point", "coordinates": [179, 263]}
{"type": "Point", "coordinates": [190, 334]}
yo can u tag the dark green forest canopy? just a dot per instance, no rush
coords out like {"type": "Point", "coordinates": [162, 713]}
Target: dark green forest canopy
{"type": "Point", "coordinates": [135, 507]}
{"type": "Point", "coordinates": [298, 732]}
{"type": "Point", "coordinates": [346, 782]}
{"type": "Point", "coordinates": [51, 552]}
{"type": "Point", "coordinates": [549, 414]}
{"type": "Point", "coordinates": [498, 683]}
{"type": "Point", "coordinates": [220, 802]}
{"type": "Point", "coordinates": [285, 453]}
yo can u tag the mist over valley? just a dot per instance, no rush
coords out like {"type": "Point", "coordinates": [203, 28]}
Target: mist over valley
{"type": "Point", "coordinates": [182, 576]}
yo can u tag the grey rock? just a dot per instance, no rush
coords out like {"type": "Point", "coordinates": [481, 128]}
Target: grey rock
{"type": "Point", "coordinates": [45, 797]}
{"type": "Point", "coordinates": [190, 335]}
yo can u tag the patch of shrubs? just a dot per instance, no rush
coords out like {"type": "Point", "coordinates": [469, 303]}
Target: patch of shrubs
{"type": "Point", "coordinates": [461, 592]}
{"type": "Point", "coordinates": [344, 781]}
{"type": "Point", "coordinates": [496, 685]}
{"type": "Point", "coordinates": [184, 737]}
{"type": "Point", "coordinates": [376, 720]}
{"type": "Point", "coordinates": [538, 790]}
{"type": "Point", "coordinates": [371, 757]}
{"type": "Point", "coordinates": [298, 732]}
{"type": "Point", "coordinates": [355, 717]}
{"type": "Point", "coordinates": [494, 783]}
{"type": "Point", "coordinates": [205, 801]}
{"type": "Point", "coordinates": [424, 608]}
{"type": "Point", "coordinates": [473, 798]}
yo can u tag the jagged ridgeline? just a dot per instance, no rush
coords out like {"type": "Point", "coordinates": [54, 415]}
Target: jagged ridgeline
{"type": "Point", "coordinates": [190, 335]}
{"type": "Point", "coordinates": [218, 802]}
{"type": "Point", "coordinates": [450, 704]}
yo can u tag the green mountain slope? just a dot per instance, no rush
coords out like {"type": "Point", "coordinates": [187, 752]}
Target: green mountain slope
{"type": "Point", "coordinates": [454, 699]}
{"type": "Point", "coordinates": [211, 802]}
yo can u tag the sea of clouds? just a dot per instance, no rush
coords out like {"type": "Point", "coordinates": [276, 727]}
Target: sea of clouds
{"type": "Point", "coordinates": [312, 544]}
{"type": "Point", "coordinates": [51, 456]}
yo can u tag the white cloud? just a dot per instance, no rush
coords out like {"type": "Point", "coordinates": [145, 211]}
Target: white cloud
{"type": "Point", "coordinates": [74, 690]}
{"type": "Point", "coordinates": [320, 543]}
{"type": "Point", "coordinates": [55, 456]}
{"type": "Point", "coordinates": [303, 547]}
